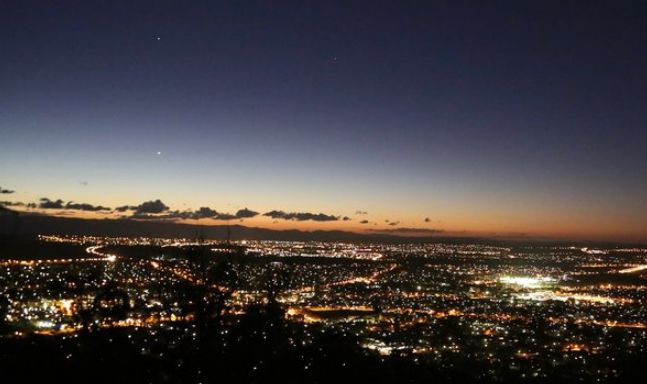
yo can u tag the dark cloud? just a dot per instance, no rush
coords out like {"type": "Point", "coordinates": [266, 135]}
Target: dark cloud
{"type": "Point", "coordinates": [315, 217]}
{"type": "Point", "coordinates": [153, 206]}
{"type": "Point", "coordinates": [12, 203]}
{"type": "Point", "coordinates": [361, 212]}
{"type": "Point", "coordinates": [225, 216]}
{"type": "Point", "coordinates": [275, 214]}
{"type": "Point", "coordinates": [6, 191]}
{"type": "Point", "coordinates": [46, 203]}
{"type": "Point", "coordinates": [345, 218]}
{"type": "Point", "coordinates": [206, 213]}
{"type": "Point", "coordinates": [203, 213]}
{"type": "Point", "coordinates": [156, 210]}
{"type": "Point", "coordinates": [169, 215]}
{"type": "Point", "coordinates": [364, 222]}
{"type": "Point", "coordinates": [427, 219]}
{"type": "Point", "coordinates": [409, 231]}
{"type": "Point", "coordinates": [85, 207]}
{"type": "Point", "coordinates": [152, 210]}
{"type": "Point", "coordinates": [246, 213]}
{"type": "Point", "coordinates": [393, 223]}
{"type": "Point", "coordinates": [300, 216]}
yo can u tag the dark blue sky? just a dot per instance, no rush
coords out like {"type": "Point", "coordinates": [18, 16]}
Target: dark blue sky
{"type": "Point", "coordinates": [515, 116]}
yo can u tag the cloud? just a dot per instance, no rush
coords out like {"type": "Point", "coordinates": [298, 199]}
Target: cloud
{"type": "Point", "coordinates": [394, 223]}
{"type": "Point", "coordinates": [427, 219]}
{"type": "Point", "coordinates": [207, 212]}
{"type": "Point", "coordinates": [169, 215]}
{"type": "Point", "coordinates": [246, 213]}
{"type": "Point", "coordinates": [153, 206]}
{"type": "Point", "coordinates": [300, 216]}
{"type": "Point", "coordinates": [409, 231]}
{"type": "Point", "coordinates": [6, 191]}
{"type": "Point", "coordinates": [345, 218]}
{"type": "Point", "coordinates": [12, 203]}
{"type": "Point", "coordinates": [46, 203]}
{"type": "Point", "coordinates": [203, 213]}
{"type": "Point", "coordinates": [275, 214]}
{"type": "Point", "coordinates": [358, 212]}
{"type": "Point", "coordinates": [225, 216]}
{"type": "Point", "coordinates": [364, 222]}
{"type": "Point", "coordinates": [85, 207]}
{"type": "Point", "coordinates": [152, 210]}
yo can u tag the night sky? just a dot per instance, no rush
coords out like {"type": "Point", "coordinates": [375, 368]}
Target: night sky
{"type": "Point", "coordinates": [488, 118]}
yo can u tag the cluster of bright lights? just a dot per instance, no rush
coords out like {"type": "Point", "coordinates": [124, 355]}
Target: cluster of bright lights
{"type": "Point", "coordinates": [634, 269]}
{"type": "Point", "coordinates": [559, 296]}
{"type": "Point", "coordinates": [527, 282]}
{"type": "Point", "coordinates": [44, 324]}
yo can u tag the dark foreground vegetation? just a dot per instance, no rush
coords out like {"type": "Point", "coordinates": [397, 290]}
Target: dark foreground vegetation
{"type": "Point", "coordinates": [257, 347]}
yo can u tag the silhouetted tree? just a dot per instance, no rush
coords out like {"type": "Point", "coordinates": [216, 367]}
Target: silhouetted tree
{"type": "Point", "coordinates": [223, 281]}
{"type": "Point", "coordinates": [216, 280]}
{"type": "Point", "coordinates": [277, 279]}
{"type": "Point", "coordinates": [4, 309]}
{"type": "Point", "coordinates": [111, 302]}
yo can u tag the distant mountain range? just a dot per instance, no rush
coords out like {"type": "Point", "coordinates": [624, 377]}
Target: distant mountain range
{"type": "Point", "coordinates": [15, 223]}
{"type": "Point", "coordinates": [26, 224]}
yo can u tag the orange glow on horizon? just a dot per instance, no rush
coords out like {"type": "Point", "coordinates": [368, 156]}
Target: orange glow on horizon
{"type": "Point", "coordinates": [474, 226]}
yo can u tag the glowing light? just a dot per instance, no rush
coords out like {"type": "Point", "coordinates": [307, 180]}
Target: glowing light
{"type": "Point", "coordinates": [526, 282]}
{"type": "Point", "coordinates": [44, 324]}
{"type": "Point", "coordinates": [66, 307]}
{"type": "Point", "coordinates": [559, 296]}
{"type": "Point", "coordinates": [634, 269]}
